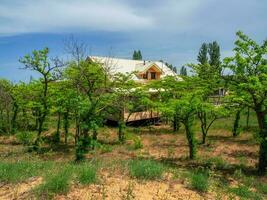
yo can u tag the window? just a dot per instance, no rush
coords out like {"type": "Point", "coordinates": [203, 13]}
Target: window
{"type": "Point", "coordinates": [153, 75]}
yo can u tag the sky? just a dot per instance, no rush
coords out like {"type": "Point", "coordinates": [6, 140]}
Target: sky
{"type": "Point", "coordinates": [169, 30]}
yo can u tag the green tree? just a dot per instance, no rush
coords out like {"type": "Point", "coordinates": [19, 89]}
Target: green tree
{"type": "Point", "coordinates": [89, 80]}
{"type": "Point", "coordinates": [214, 56]}
{"type": "Point", "coordinates": [249, 85]}
{"type": "Point", "coordinates": [179, 102]}
{"type": "Point", "coordinates": [203, 54]}
{"type": "Point", "coordinates": [137, 55]}
{"type": "Point", "coordinates": [38, 61]}
{"type": "Point", "coordinates": [183, 71]}
{"type": "Point", "coordinates": [6, 105]}
{"type": "Point", "coordinates": [128, 97]}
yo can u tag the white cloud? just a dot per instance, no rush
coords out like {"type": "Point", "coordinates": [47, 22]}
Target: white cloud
{"type": "Point", "coordinates": [81, 15]}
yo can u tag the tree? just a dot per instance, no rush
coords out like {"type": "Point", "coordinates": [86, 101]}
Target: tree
{"type": "Point", "coordinates": [214, 55]}
{"type": "Point", "coordinates": [137, 55]}
{"type": "Point", "coordinates": [6, 105]}
{"type": "Point", "coordinates": [203, 54]}
{"type": "Point", "coordinates": [249, 85]}
{"type": "Point", "coordinates": [128, 97]}
{"type": "Point", "coordinates": [209, 81]}
{"type": "Point", "coordinates": [183, 71]}
{"type": "Point", "coordinates": [180, 102]}
{"type": "Point", "coordinates": [38, 61]}
{"type": "Point", "coordinates": [88, 78]}
{"type": "Point", "coordinates": [208, 113]}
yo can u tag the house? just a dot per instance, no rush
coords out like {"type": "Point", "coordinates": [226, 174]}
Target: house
{"type": "Point", "coordinates": [144, 71]}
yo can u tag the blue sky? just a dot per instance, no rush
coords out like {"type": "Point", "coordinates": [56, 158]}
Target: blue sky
{"type": "Point", "coordinates": [171, 30]}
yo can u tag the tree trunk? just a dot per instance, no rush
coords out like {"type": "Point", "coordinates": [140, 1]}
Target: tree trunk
{"type": "Point", "coordinates": [66, 126]}
{"type": "Point", "coordinates": [94, 135]}
{"type": "Point", "coordinates": [122, 126]}
{"type": "Point", "coordinates": [14, 117]}
{"type": "Point", "coordinates": [248, 115]}
{"type": "Point", "coordinates": [236, 128]}
{"type": "Point", "coordinates": [176, 124]}
{"type": "Point", "coordinates": [190, 138]}
{"type": "Point", "coordinates": [203, 120]}
{"type": "Point", "coordinates": [57, 138]}
{"type": "Point", "coordinates": [262, 121]}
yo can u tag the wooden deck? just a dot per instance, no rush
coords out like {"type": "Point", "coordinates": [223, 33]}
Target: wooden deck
{"type": "Point", "coordinates": [140, 116]}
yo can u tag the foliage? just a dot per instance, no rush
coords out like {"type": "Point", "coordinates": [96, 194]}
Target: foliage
{"type": "Point", "coordinates": [137, 142]}
{"type": "Point", "coordinates": [146, 169]}
{"type": "Point", "coordinates": [26, 138]}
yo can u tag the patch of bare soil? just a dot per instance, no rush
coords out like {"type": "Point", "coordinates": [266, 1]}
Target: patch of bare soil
{"type": "Point", "coordinates": [118, 187]}
{"type": "Point", "coordinates": [19, 191]}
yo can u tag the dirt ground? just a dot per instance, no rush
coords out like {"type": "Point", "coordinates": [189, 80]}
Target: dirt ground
{"type": "Point", "coordinates": [160, 144]}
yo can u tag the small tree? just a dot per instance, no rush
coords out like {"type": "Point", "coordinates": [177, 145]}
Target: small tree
{"type": "Point", "coordinates": [38, 61]}
{"type": "Point", "coordinates": [88, 77]}
{"type": "Point", "coordinates": [127, 99]}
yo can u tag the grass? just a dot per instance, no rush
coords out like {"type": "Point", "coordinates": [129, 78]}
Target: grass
{"type": "Point", "coordinates": [146, 169]}
{"type": "Point", "coordinates": [245, 193]}
{"type": "Point", "coordinates": [87, 174]}
{"type": "Point", "coordinates": [14, 172]}
{"type": "Point", "coordinates": [216, 162]}
{"type": "Point", "coordinates": [200, 181]}
{"type": "Point", "coordinates": [57, 182]}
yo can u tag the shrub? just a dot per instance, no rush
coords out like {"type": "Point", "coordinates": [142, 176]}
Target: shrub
{"type": "Point", "coordinates": [26, 138]}
{"type": "Point", "coordinates": [55, 183]}
{"type": "Point", "coordinates": [137, 143]}
{"type": "Point", "coordinates": [146, 169]}
{"type": "Point", "coordinates": [18, 171]}
{"type": "Point", "coordinates": [105, 148]}
{"type": "Point", "coordinates": [200, 181]}
{"type": "Point", "coordinates": [87, 174]}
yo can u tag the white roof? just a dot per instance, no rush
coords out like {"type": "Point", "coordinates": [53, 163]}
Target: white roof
{"type": "Point", "coordinates": [118, 65]}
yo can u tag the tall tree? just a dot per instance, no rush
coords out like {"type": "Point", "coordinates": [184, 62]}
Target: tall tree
{"type": "Point", "coordinates": [249, 85]}
{"type": "Point", "coordinates": [214, 56]}
{"type": "Point", "coordinates": [183, 71]}
{"type": "Point", "coordinates": [137, 55]}
{"type": "Point", "coordinates": [203, 54]}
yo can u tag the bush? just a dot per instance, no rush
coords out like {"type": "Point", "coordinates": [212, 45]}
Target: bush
{"type": "Point", "coordinates": [26, 138]}
{"type": "Point", "coordinates": [105, 148]}
{"type": "Point", "coordinates": [55, 183]}
{"type": "Point", "coordinates": [137, 143]}
{"type": "Point", "coordinates": [200, 181]}
{"type": "Point", "coordinates": [19, 171]}
{"type": "Point", "coordinates": [146, 169]}
{"type": "Point", "coordinates": [87, 174]}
